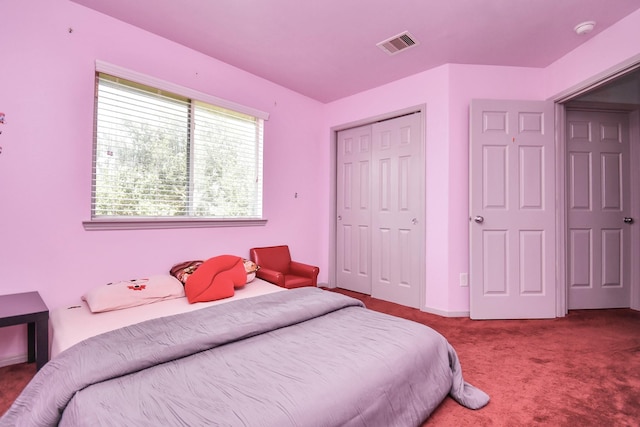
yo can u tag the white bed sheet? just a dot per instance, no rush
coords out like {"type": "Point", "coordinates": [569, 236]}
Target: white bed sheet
{"type": "Point", "coordinates": [70, 325]}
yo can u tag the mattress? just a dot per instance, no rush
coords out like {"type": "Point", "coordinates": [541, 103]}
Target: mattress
{"type": "Point", "coordinates": [75, 323]}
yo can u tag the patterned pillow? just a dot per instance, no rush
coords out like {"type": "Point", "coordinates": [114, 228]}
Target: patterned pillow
{"type": "Point", "coordinates": [183, 270]}
{"type": "Point", "coordinates": [250, 267]}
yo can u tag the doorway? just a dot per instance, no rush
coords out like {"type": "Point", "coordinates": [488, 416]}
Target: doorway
{"type": "Point", "coordinates": [605, 95]}
{"type": "Point", "coordinates": [599, 230]}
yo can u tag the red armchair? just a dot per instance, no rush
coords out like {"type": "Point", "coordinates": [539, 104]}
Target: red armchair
{"type": "Point", "coordinates": [276, 267]}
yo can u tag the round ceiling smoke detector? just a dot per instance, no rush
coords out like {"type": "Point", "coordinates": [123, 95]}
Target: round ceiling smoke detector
{"type": "Point", "coordinates": [585, 27]}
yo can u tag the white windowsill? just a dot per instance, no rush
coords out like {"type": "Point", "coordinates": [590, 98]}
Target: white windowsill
{"type": "Point", "coordinates": [148, 223]}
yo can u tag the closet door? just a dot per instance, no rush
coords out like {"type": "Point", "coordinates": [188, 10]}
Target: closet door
{"type": "Point", "coordinates": [353, 224]}
{"type": "Point", "coordinates": [398, 210]}
{"type": "Point", "coordinates": [380, 210]}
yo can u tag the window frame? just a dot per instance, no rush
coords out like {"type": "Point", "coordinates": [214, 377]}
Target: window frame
{"type": "Point", "coordinates": [133, 223]}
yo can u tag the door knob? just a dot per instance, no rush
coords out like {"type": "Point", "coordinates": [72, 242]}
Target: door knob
{"type": "Point", "coordinates": [479, 219]}
{"type": "Point", "coordinates": [339, 217]}
{"type": "Point", "coordinates": [628, 220]}
{"type": "Point", "coordinates": [414, 221]}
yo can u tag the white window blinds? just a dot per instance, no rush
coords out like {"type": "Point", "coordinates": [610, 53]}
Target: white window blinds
{"type": "Point", "coordinates": [160, 154]}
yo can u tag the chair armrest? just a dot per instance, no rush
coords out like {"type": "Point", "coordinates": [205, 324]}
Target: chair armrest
{"type": "Point", "coordinates": [271, 276]}
{"type": "Point", "coordinates": [304, 270]}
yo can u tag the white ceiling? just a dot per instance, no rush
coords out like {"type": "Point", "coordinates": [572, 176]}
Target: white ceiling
{"type": "Point", "coordinates": [326, 49]}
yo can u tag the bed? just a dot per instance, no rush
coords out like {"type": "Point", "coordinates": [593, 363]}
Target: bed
{"type": "Point", "coordinates": [301, 357]}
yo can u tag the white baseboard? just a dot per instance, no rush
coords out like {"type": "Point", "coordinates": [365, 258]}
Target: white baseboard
{"type": "Point", "coordinates": [21, 358]}
{"type": "Point", "coordinates": [445, 313]}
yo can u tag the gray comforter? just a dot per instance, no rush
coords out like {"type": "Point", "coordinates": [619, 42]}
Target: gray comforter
{"type": "Point", "coordinates": [303, 357]}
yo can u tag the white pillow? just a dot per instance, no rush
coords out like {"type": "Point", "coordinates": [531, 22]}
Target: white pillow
{"type": "Point", "coordinates": [131, 293]}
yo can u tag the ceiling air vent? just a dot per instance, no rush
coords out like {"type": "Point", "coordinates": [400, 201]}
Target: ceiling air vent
{"type": "Point", "coordinates": [398, 43]}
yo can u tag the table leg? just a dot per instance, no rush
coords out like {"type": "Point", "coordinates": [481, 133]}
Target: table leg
{"type": "Point", "coordinates": [31, 342]}
{"type": "Point", "coordinates": [42, 346]}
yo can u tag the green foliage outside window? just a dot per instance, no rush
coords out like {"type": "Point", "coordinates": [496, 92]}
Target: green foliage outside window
{"type": "Point", "coordinates": [161, 155]}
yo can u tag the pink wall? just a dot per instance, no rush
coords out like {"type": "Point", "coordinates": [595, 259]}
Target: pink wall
{"type": "Point", "coordinates": [46, 91]}
{"type": "Point", "coordinates": [614, 46]}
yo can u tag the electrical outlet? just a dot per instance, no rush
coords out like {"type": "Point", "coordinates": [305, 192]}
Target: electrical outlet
{"type": "Point", "coordinates": [464, 279]}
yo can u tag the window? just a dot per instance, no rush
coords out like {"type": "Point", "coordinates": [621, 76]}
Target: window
{"type": "Point", "coordinates": [162, 156]}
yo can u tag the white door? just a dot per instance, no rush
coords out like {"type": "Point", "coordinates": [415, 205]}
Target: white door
{"type": "Point", "coordinates": [353, 225]}
{"type": "Point", "coordinates": [380, 209]}
{"type": "Point", "coordinates": [397, 210]}
{"type": "Point", "coordinates": [598, 202]}
{"type": "Point", "coordinates": [512, 210]}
